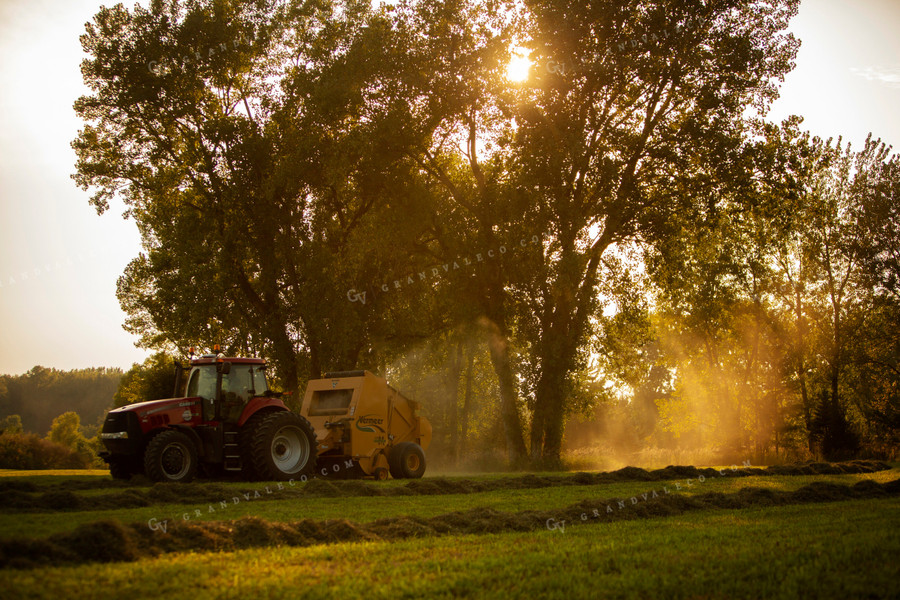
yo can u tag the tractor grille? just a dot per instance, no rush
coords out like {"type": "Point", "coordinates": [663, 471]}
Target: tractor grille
{"type": "Point", "coordinates": [123, 421]}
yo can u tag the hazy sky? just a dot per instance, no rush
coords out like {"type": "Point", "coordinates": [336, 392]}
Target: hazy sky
{"type": "Point", "coordinates": [59, 261]}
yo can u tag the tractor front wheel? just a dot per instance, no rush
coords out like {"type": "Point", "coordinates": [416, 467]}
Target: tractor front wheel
{"type": "Point", "coordinates": [121, 469]}
{"type": "Point", "coordinates": [283, 446]}
{"type": "Point", "coordinates": [171, 456]}
{"type": "Point", "coordinates": [407, 461]}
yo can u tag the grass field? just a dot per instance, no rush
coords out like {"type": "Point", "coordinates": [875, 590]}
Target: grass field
{"type": "Point", "coordinates": [808, 546]}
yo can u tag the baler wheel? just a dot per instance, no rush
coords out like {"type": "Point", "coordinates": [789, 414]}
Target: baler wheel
{"type": "Point", "coordinates": [407, 461]}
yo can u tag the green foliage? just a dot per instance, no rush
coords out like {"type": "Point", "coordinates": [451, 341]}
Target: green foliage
{"type": "Point", "coordinates": [877, 187]}
{"type": "Point", "coordinates": [254, 198]}
{"type": "Point", "coordinates": [41, 394]}
{"type": "Point", "coordinates": [29, 451]}
{"type": "Point", "coordinates": [11, 425]}
{"type": "Point", "coordinates": [151, 380]}
{"type": "Point", "coordinates": [781, 339]}
{"type": "Point", "coordinates": [874, 378]}
{"type": "Point", "coordinates": [66, 431]}
{"type": "Point", "coordinates": [307, 189]}
{"type": "Point", "coordinates": [562, 166]}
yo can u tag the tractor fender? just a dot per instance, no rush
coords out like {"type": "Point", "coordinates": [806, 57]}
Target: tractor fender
{"type": "Point", "coordinates": [260, 404]}
{"type": "Point", "coordinates": [198, 443]}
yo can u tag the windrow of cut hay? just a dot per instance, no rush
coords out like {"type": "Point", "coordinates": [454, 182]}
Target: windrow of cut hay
{"type": "Point", "coordinates": [23, 496]}
{"type": "Point", "coordinates": [111, 541]}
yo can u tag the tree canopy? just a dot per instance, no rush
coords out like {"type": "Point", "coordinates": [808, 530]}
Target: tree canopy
{"type": "Point", "coordinates": [350, 184]}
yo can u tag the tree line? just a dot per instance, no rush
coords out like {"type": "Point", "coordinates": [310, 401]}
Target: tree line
{"type": "Point", "coordinates": [42, 394]}
{"type": "Point", "coordinates": [51, 419]}
{"type": "Point", "coordinates": [320, 195]}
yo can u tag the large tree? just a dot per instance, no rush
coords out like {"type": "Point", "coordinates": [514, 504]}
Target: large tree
{"type": "Point", "coordinates": [646, 118]}
{"type": "Point", "coordinates": [638, 115]}
{"type": "Point", "coordinates": [269, 166]}
{"type": "Point", "coordinates": [775, 313]}
{"type": "Point", "coordinates": [245, 142]}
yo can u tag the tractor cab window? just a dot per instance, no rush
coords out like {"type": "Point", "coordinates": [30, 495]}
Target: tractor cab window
{"type": "Point", "coordinates": [202, 383]}
{"type": "Point", "coordinates": [245, 382]}
{"type": "Point", "coordinates": [239, 386]}
{"type": "Point", "coordinates": [242, 384]}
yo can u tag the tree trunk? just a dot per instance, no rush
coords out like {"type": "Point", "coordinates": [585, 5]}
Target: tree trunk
{"type": "Point", "coordinates": [801, 369]}
{"type": "Point", "coordinates": [498, 344]}
{"type": "Point", "coordinates": [835, 376]}
{"type": "Point", "coordinates": [549, 409]}
{"type": "Point", "coordinates": [315, 364]}
{"type": "Point", "coordinates": [286, 362]}
{"type": "Point", "coordinates": [453, 400]}
{"type": "Point", "coordinates": [467, 403]}
{"type": "Point", "coordinates": [563, 323]}
{"type": "Point", "coordinates": [547, 430]}
{"type": "Point", "coordinates": [557, 361]}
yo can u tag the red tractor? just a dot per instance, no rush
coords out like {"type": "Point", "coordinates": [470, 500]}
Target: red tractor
{"type": "Point", "coordinates": [227, 421]}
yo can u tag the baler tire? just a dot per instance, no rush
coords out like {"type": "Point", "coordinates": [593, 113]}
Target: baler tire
{"type": "Point", "coordinates": [278, 439]}
{"type": "Point", "coordinates": [160, 458]}
{"type": "Point", "coordinates": [407, 461]}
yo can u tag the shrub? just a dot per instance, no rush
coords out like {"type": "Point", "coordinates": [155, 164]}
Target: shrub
{"type": "Point", "coordinates": [28, 451]}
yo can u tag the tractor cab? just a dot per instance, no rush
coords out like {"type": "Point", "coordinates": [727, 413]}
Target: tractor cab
{"type": "Point", "coordinates": [225, 386]}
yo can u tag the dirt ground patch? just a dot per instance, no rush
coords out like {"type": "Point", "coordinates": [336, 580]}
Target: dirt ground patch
{"type": "Point", "coordinates": [110, 541]}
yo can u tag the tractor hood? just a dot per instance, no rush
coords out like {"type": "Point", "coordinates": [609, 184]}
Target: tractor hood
{"type": "Point", "coordinates": [144, 409]}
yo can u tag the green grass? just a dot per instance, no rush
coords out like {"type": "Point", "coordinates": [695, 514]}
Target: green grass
{"type": "Point", "coordinates": [366, 509]}
{"type": "Point", "coordinates": [45, 476]}
{"type": "Point", "coordinates": [833, 550]}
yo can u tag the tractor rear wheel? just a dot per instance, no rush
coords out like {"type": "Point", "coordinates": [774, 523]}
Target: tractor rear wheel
{"type": "Point", "coordinates": [245, 441]}
{"type": "Point", "coordinates": [171, 456]}
{"type": "Point", "coordinates": [282, 447]}
{"type": "Point", "coordinates": [407, 461]}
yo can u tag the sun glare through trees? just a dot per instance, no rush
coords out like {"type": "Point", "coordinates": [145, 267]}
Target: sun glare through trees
{"type": "Point", "coordinates": [519, 66]}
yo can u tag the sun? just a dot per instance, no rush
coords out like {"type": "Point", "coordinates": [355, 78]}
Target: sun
{"type": "Point", "coordinates": [518, 67]}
